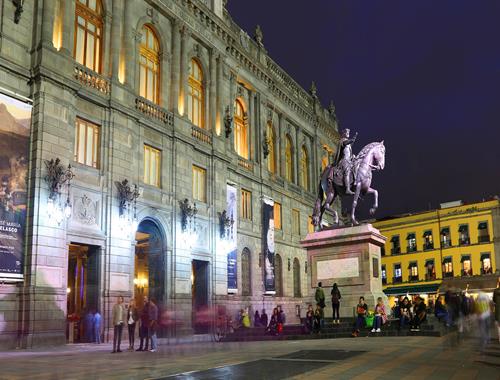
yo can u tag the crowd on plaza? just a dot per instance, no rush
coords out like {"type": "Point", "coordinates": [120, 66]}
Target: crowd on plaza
{"type": "Point", "coordinates": [273, 325]}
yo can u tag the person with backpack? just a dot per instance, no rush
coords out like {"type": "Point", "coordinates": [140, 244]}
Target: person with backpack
{"type": "Point", "coordinates": [335, 293]}
{"type": "Point", "coordinates": [319, 296]}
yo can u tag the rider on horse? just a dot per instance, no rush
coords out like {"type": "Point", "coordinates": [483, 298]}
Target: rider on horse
{"type": "Point", "coordinates": [344, 159]}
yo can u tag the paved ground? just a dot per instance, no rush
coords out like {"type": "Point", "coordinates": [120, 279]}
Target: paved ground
{"type": "Point", "coordinates": [360, 358]}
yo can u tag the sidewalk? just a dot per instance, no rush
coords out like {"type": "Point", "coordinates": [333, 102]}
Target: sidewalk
{"type": "Point", "coordinates": [385, 358]}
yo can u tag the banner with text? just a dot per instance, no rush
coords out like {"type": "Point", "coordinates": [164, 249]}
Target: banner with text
{"type": "Point", "coordinates": [232, 246]}
{"type": "Point", "coordinates": [268, 244]}
{"type": "Point", "coordinates": [15, 121]}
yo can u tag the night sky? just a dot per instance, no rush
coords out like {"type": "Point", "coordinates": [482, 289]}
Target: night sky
{"type": "Point", "coordinates": [422, 75]}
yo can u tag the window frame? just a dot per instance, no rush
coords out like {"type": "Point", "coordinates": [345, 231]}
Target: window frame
{"type": "Point", "coordinates": [304, 168]}
{"type": "Point", "coordinates": [158, 154]}
{"type": "Point", "coordinates": [295, 221]}
{"type": "Point", "coordinates": [199, 172]}
{"type": "Point", "coordinates": [289, 169]}
{"type": "Point", "coordinates": [196, 85]}
{"type": "Point", "coordinates": [150, 55]}
{"type": "Point", "coordinates": [96, 18]}
{"type": "Point", "coordinates": [246, 204]}
{"type": "Point", "coordinates": [96, 142]}
{"type": "Point", "coordinates": [277, 221]}
{"type": "Point", "coordinates": [271, 141]}
{"type": "Point", "coordinates": [241, 135]}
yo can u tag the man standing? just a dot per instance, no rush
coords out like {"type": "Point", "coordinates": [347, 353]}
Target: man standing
{"type": "Point", "coordinates": [144, 327]}
{"type": "Point", "coordinates": [153, 323]}
{"type": "Point", "coordinates": [344, 159]}
{"type": "Point", "coordinates": [319, 296]}
{"type": "Point", "coordinates": [118, 312]}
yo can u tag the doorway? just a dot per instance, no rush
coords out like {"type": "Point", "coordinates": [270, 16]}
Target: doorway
{"type": "Point", "coordinates": [199, 290]}
{"type": "Point", "coordinates": [82, 292]}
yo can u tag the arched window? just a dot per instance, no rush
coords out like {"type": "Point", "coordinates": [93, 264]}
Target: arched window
{"type": "Point", "coordinates": [296, 278]}
{"type": "Point", "coordinates": [149, 65]}
{"type": "Point", "coordinates": [304, 169]}
{"type": "Point", "coordinates": [246, 288]}
{"type": "Point", "coordinates": [278, 275]}
{"type": "Point", "coordinates": [288, 159]}
{"type": "Point", "coordinates": [88, 34]}
{"type": "Point", "coordinates": [271, 140]}
{"type": "Point", "coordinates": [196, 106]}
{"type": "Point", "coordinates": [240, 130]}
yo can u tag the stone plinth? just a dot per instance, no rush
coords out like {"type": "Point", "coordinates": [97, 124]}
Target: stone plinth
{"type": "Point", "coordinates": [350, 257]}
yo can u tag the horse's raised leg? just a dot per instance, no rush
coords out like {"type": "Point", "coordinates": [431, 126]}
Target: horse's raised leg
{"type": "Point", "coordinates": [375, 197]}
{"type": "Point", "coordinates": [355, 203]}
{"type": "Point", "coordinates": [329, 199]}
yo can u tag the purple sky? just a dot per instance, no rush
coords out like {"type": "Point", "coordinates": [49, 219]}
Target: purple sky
{"type": "Point", "coordinates": [422, 75]}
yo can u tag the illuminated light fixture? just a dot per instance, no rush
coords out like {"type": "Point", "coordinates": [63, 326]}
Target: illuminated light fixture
{"type": "Point", "coordinates": [59, 180]}
{"type": "Point", "coordinates": [127, 196]}
{"type": "Point", "coordinates": [141, 282]}
{"type": "Point", "coordinates": [68, 290]}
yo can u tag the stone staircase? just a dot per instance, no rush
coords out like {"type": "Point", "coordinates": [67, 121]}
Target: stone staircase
{"type": "Point", "coordinates": [431, 328]}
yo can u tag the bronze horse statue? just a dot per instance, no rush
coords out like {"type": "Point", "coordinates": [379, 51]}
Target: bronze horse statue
{"type": "Point", "coordinates": [371, 157]}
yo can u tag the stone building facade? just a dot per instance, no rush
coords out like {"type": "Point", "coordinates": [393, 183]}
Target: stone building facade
{"type": "Point", "coordinates": [169, 95]}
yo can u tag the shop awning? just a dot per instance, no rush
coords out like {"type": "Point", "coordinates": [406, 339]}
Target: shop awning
{"type": "Point", "coordinates": [465, 258]}
{"type": "Point", "coordinates": [447, 260]}
{"type": "Point", "coordinates": [482, 226]}
{"type": "Point", "coordinates": [394, 238]}
{"type": "Point", "coordinates": [463, 227]}
{"type": "Point", "coordinates": [429, 262]}
{"type": "Point", "coordinates": [412, 264]}
{"type": "Point", "coordinates": [427, 233]}
{"type": "Point", "coordinates": [485, 283]}
{"type": "Point", "coordinates": [410, 236]}
{"type": "Point", "coordinates": [485, 256]}
{"type": "Point", "coordinates": [416, 289]}
{"type": "Point", "coordinates": [445, 231]}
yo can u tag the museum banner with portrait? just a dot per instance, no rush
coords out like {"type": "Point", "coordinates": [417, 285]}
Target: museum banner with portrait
{"type": "Point", "coordinates": [15, 121]}
{"type": "Point", "coordinates": [268, 244]}
{"type": "Point", "coordinates": [231, 238]}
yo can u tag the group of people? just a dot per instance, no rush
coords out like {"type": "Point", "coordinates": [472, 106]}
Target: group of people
{"type": "Point", "coordinates": [146, 318]}
{"type": "Point", "coordinates": [92, 322]}
{"type": "Point", "coordinates": [410, 313]}
{"type": "Point", "coordinates": [274, 325]}
{"type": "Point", "coordinates": [315, 318]}
{"type": "Point", "coordinates": [380, 316]}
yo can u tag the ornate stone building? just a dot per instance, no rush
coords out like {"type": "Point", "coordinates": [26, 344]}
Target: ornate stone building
{"type": "Point", "coordinates": [174, 97]}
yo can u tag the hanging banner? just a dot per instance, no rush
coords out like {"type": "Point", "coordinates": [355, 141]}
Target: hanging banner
{"type": "Point", "coordinates": [232, 245]}
{"type": "Point", "coordinates": [15, 121]}
{"type": "Point", "coordinates": [268, 244]}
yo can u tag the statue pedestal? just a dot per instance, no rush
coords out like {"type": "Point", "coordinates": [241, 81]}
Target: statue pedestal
{"type": "Point", "coordinates": [350, 257]}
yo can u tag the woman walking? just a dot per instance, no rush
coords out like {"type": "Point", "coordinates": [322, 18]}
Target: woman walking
{"type": "Point", "coordinates": [336, 303]}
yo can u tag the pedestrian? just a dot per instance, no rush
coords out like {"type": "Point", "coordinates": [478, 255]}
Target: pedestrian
{"type": "Point", "coordinates": [317, 320]}
{"type": "Point", "coordinates": [404, 312]}
{"type": "Point", "coordinates": [153, 323]}
{"type": "Point", "coordinates": [245, 319]}
{"type": "Point", "coordinates": [483, 317]}
{"type": "Point", "coordinates": [309, 320]}
{"type": "Point", "coordinates": [132, 317]}
{"type": "Point", "coordinates": [441, 312]}
{"type": "Point", "coordinates": [273, 323]}
{"type": "Point", "coordinates": [335, 293]}
{"type": "Point", "coordinates": [88, 326]}
{"type": "Point", "coordinates": [361, 310]}
{"type": "Point", "coordinates": [281, 319]}
{"type": "Point", "coordinates": [380, 315]}
{"type": "Point", "coordinates": [118, 313]}
{"type": "Point", "coordinates": [144, 327]}
{"type": "Point", "coordinates": [496, 300]}
{"type": "Point", "coordinates": [256, 319]}
{"type": "Point", "coordinates": [263, 318]}
{"type": "Point", "coordinates": [319, 296]}
{"type": "Point", "coordinates": [97, 326]}
{"type": "Point", "coordinates": [420, 312]}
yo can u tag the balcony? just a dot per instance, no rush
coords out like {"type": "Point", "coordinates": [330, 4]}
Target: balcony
{"type": "Point", "coordinates": [245, 164]}
{"type": "Point", "coordinates": [445, 244]}
{"type": "Point", "coordinates": [464, 241]}
{"type": "Point", "coordinates": [447, 274]}
{"type": "Point", "coordinates": [428, 246]}
{"type": "Point", "coordinates": [483, 239]}
{"type": "Point", "coordinates": [412, 248]}
{"type": "Point", "coordinates": [413, 278]}
{"type": "Point", "coordinates": [91, 79]}
{"type": "Point", "coordinates": [397, 280]}
{"type": "Point", "coordinates": [466, 273]}
{"type": "Point", "coordinates": [153, 111]}
{"type": "Point", "coordinates": [430, 276]}
{"type": "Point", "coordinates": [395, 250]}
{"type": "Point", "coordinates": [201, 134]}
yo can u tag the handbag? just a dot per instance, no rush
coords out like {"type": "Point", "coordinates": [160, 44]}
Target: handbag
{"type": "Point", "coordinates": [369, 320]}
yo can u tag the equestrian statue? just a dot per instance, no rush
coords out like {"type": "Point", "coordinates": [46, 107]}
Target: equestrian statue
{"type": "Point", "coordinates": [348, 175]}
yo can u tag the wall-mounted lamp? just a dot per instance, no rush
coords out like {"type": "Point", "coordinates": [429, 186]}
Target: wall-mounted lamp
{"type": "Point", "coordinates": [127, 196]}
{"type": "Point", "coordinates": [19, 9]}
{"type": "Point", "coordinates": [141, 283]}
{"type": "Point", "coordinates": [188, 216]}
{"type": "Point", "coordinates": [226, 225]}
{"type": "Point", "coordinates": [59, 180]}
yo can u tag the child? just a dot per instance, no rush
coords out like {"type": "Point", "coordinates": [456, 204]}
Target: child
{"type": "Point", "coordinates": [380, 315]}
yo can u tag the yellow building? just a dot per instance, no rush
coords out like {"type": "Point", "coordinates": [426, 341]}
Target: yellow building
{"type": "Point", "coordinates": [457, 245]}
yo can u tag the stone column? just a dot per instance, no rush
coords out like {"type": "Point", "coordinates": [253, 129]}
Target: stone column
{"type": "Point", "coordinates": [116, 34]}
{"type": "Point", "coordinates": [298, 152]}
{"type": "Point", "coordinates": [183, 71]}
{"type": "Point", "coordinates": [212, 101]}
{"type": "Point", "coordinates": [128, 44]}
{"type": "Point", "coordinates": [48, 13]}
{"type": "Point", "coordinates": [68, 32]}
{"type": "Point", "coordinates": [281, 144]}
{"type": "Point", "coordinates": [175, 66]}
{"type": "Point", "coordinates": [252, 127]}
{"type": "Point", "coordinates": [106, 49]}
{"type": "Point", "coordinates": [219, 101]}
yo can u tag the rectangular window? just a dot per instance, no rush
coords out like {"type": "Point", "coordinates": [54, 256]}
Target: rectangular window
{"type": "Point", "coordinates": [445, 237]}
{"type": "Point", "coordinates": [428, 240]}
{"type": "Point", "coordinates": [430, 270]}
{"type": "Point", "coordinates": [384, 275]}
{"type": "Point", "coordinates": [199, 184]}
{"type": "Point", "coordinates": [486, 264]}
{"type": "Point", "coordinates": [246, 204]}
{"type": "Point", "coordinates": [86, 149]}
{"type": "Point", "coordinates": [310, 225]}
{"type": "Point", "coordinates": [412, 242]}
{"type": "Point", "coordinates": [396, 247]}
{"type": "Point", "coordinates": [466, 265]}
{"type": "Point", "coordinates": [413, 267]}
{"type": "Point", "coordinates": [398, 274]}
{"type": "Point", "coordinates": [447, 267]}
{"type": "Point", "coordinates": [152, 160]}
{"type": "Point", "coordinates": [483, 235]}
{"type": "Point", "coordinates": [463, 233]}
{"type": "Point", "coordinates": [296, 222]}
{"type": "Point", "coordinates": [277, 216]}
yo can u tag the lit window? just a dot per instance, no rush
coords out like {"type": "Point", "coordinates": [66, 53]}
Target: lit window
{"type": "Point", "coordinates": [413, 271]}
{"type": "Point", "coordinates": [430, 270]}
{"type": "Point", "coordinates": [240, 130]}
{"type": "Point", "coordinates": [482, 232]}
{"type": "Point", "coordinates": [149, 65]}
{"type": "Point", "coordinates": [246, 204]}
{"type": "Point", "coordinates": [396, 248]}
{"type": "Point", "coordinates": [466, 266]}
{"type": "Point", "coordinates": [463, 231]}
{"type": "Point", "coordinates": [277, 216]}
{"type": "Point", "coordinates": [428, 240]}
{"type": "Point", "coordinates": [152, 159]}
{"type": "Point", "coordinates": [196, 109]}
{"type": "Point", "coordinates": [88, 34]}
{"type": "Point", "coordinates": [296, 222]}
{"type": "Point", "coordinates": [288, 159]}
{"type": "Point", "coordinates": [445, 237]}
{"type": "Point", "coordinates": [86, 143]}
{"type": "Point", "coordinates": [412, 242]}
{"type": "Point", "coordinates": [398, 273]}
{"type": "Point", "coordinates": [304, 169]}
{"type": "Point", "coordinates": [384, 275]}
{"type": "Point", "coordinates": [199, 184]}
{"type": "Point", "coordinates": [271, 158]}
{"type": "Point", "coordinates": [486, 264]}
{"type": "Point", "coordinates": [310, 225]}
{"type": "Point", "coordinates": [447, 267]}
